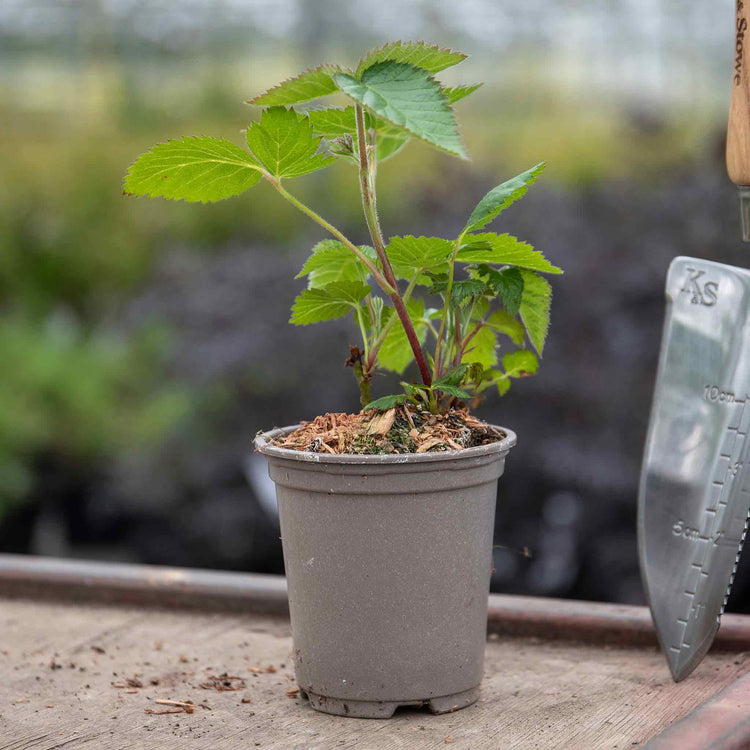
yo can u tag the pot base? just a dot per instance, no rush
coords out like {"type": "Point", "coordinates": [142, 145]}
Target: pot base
{"type": "Point", "coordinates": [442, 704]}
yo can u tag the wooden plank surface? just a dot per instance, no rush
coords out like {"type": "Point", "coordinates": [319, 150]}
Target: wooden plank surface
{"type": "Point", "coordinates": [59, 661]}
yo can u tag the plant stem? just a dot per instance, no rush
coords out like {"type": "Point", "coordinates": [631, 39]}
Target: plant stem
{"type": "Point", "coordinates": [367, 190]}
{"type": "Point", "coordinates": [378, 343]}
{"type": "Point", "coordinates": [363, 379]}
{"type": "Point", "coordinates": [447, 298]}
{"type": "Point", "coordinates": [362, 329]}
{"type": "Point", "coordinates": [371, 217]}
{"type": "Point", "coordinates": [488, 383]}
{"type": "Point", "coordinates": [468, 339]}
{"type": "Point", "coordinates": [457, 338]}
{"type": "Point", "coordinates": [377, 275]}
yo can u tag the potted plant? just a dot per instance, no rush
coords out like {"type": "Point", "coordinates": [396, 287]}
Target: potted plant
{"type": "Point", "coordinates": [386, 515]}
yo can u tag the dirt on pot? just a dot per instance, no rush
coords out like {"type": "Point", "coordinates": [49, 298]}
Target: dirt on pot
{"type": "Point", "coordinates": [403, 429]}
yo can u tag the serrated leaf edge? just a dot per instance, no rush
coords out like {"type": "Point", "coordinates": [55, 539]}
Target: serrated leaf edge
{"type": "Point", "coordinates": [399, 44]}
{"type": "Point", "coordinates": [521, 190]}
{"type": "Point", "coordinates": [329, 68]}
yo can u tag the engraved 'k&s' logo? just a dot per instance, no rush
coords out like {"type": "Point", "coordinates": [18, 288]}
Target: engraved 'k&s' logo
{"type": "Point", "coordinates": [702, 292]}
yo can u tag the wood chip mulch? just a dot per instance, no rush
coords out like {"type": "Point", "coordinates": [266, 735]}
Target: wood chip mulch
{"type": "Point", "coordinates": [176, 707]}
{"type": "Point", "coordinates": [223, 683]}
{"type": "Point", "coordinates": [403, 429]}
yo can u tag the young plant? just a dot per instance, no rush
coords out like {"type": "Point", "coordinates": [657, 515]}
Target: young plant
{"type": "Point", "coordinates": [488, 284]}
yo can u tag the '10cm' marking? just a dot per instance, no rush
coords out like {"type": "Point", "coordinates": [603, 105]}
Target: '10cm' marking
{"type": "Point", "coordinates": [715, 394]}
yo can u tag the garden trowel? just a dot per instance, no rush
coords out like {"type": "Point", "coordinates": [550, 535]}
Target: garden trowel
{"type": "Point", "coordinates": [694, 494]}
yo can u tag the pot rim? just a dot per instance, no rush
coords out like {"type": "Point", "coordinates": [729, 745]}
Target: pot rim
{"type": "Point", "coordinates": [263, 445]}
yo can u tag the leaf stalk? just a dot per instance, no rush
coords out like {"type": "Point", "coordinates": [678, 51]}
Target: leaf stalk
{"type": "Point", "coordinates": [377, 275]}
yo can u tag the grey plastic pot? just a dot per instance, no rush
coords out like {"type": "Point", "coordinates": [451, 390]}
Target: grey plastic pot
{"type": "Point", "coordinates": [388, 562]}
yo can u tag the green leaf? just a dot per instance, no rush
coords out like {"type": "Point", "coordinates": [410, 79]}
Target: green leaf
{"type": "Point", "coordinates": [311, 84]}
{"type": "Point", "coordinates": [503, 249]}
{"type": "Point", "coordinates": [332, 301]}
{"type": "Point", "coordinates": [389, 144]}
{"type": "Point", "coordinates": [520, 363]}
{"type": "Point", "coordinates": [438, 285]}
{"type": "Point", "coordinates": [535, 306]}
{"type": "Point", "coordinates": [503, 386]}
{"type": "Point", "coordinates": [500, 197]}
{"type": "Point", "coordinates": [410, 255]}
{"type": "Point", "coordinates": [414, 389]}
{"type": "Point", "coordinates": [452, 390]}
{"type": "Point", "coordinates": [503, 322]}
{"type": "Point", "coordinates": [507, 284]}
{"type": "Point", "coordinates": [428, 57]}
{"type": "Point", "coordinates": [480, 309]}
{"type": "Point", "coordinates": [375, 316]}
{"type": "Point", "coordinates": [284, 142]}
{"type": "Point", "coordinates": [482, 348]}
{"type": "Point", "coordinates": [454, 376]}
{"type": "Point", "coordinates": [193, 169]}
{"type": "Point", "coordinates": [331, 260]}
{"type": "Point", "coordinates": [456, 93]}
{"type": "Point", "coordinates": [333, 122]}
{"type": "Point", "coordinates": [463, 291]}
{"type": "Point", "coordinates": [408, 97]}
{"type": "Point", "coordinates": [396, 352]}
{"type": "Point", "coordinates": [386, 402]}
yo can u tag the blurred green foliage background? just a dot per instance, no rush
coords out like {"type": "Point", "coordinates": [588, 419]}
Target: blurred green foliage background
{"type": "Point", "coordinates": [603, 91]}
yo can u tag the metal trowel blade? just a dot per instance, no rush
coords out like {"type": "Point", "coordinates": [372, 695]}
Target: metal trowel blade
{"type": "Point", "coordinates": [694, 493]}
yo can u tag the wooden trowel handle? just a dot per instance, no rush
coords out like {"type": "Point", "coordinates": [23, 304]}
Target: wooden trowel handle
{"type": "Point", "coordinates": [738, 131]}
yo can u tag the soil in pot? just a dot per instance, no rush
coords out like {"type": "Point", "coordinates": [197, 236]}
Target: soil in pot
{"type": "Point", "coordinates": [402, 429]}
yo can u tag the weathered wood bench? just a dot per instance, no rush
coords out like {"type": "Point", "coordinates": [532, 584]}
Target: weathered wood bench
{"type": "Point", "coordinates": [94, 654]}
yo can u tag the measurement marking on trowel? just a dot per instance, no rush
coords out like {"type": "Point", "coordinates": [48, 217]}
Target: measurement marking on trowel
{"type": "Point", "coordinates": [736, 461]}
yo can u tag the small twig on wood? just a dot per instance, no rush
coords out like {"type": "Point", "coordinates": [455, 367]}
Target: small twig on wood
{"type": "Point", "coordinates": [179, 707]}
{"type": "Point", "coordinates": [166, 702]}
